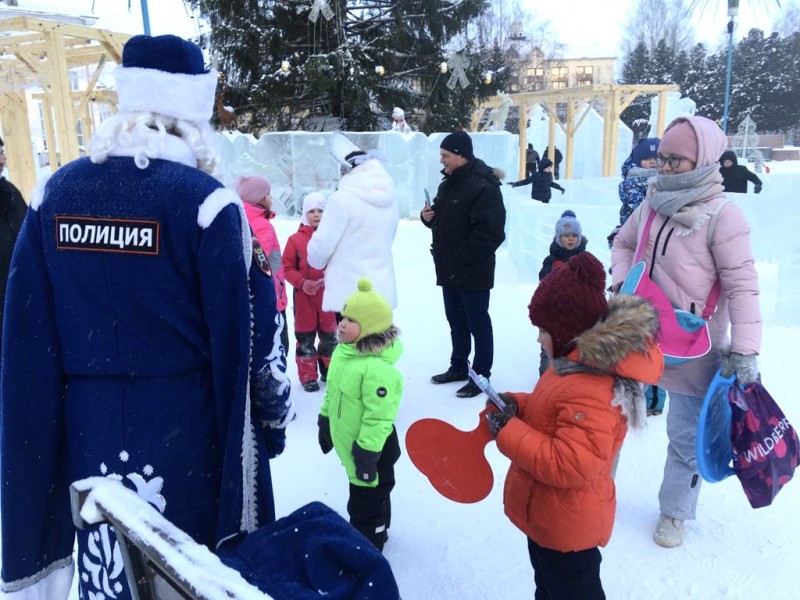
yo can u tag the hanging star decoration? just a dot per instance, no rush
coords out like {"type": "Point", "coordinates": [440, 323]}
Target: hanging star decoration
{"type": "Point", "coordinates": [458, 64]}
{"type": "Point", "coordinates": [320, 6]}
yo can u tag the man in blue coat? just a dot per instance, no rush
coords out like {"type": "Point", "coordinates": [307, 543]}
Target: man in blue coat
{"type": "Point", "coordinates": [127, 348]}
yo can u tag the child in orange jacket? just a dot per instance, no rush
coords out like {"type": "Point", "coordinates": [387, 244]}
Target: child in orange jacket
{"type": "Point", "coordinates": [310, 320]}
{"type": "Point", "coordinates": [563, 437]}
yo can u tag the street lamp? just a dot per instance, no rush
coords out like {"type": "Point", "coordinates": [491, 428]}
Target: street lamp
{"type": "Point", "coordinates": [145, 18]}
{"type": "Point", "coordinates": [733, 10]}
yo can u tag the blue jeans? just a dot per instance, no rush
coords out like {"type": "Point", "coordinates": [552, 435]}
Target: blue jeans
{"type": "Point", "coordinates": [467, 312]}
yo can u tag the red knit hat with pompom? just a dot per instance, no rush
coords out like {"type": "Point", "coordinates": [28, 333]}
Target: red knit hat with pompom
{"type": "Point", "coordinates": [570, 300]}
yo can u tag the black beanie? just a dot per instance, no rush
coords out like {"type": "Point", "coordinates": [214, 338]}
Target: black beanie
{"type": "Point", "coordinates": [459, 143]}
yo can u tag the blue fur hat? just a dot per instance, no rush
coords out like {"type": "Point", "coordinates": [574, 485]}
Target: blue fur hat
{"type": "Point", "coordinates": [568, 223]}
{"type": "Point", "coordinates": [166, 75]}
{"type": "Point", "coordinates": [644, 149]}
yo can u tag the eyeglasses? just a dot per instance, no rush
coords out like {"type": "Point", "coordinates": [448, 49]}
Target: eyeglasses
{"type": "Point", "coordinates": [673, 161]}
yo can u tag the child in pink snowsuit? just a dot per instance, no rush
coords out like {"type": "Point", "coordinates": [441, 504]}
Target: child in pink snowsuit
{"type": "Point", "coordinates": [255, 193]}
{"type": "Point", "coordinates": [310, 320]}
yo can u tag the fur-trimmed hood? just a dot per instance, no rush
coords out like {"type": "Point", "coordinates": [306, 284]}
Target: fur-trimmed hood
{"type": "Point", "coordinates": [377, 342]}
{"type": "Point", "coordinates": [629, 326]}
{"type": "Point", "coordinates": [622, 344]}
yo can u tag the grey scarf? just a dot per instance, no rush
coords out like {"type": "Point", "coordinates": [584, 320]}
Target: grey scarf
{"type": "Point", "coordinates": [669, 193]}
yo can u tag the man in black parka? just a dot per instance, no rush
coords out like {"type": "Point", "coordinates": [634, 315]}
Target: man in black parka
{"type": "Point", "coordinates": [467, 220]}
{"type": "Point", "coordinates": [12, 212]}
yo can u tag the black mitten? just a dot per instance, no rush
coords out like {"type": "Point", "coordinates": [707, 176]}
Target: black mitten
{"type": "Point", "coordinates": [274, 440]}
{"type": "Point", "coordinates": [757, 188]}
{"type": "Point", "coordinates": [324, 434]}
{"type": "Point", "coordinates": [497, 419]}
{"type": "Point", "coordinates": [366, 463]}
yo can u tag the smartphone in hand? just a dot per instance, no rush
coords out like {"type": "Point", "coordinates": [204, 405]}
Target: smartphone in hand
{"type": "Point", "coordinates": [427, 198]}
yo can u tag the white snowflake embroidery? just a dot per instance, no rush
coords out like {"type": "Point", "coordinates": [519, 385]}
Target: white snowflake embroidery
{"type": "Point", "coordinates": [102, 567]}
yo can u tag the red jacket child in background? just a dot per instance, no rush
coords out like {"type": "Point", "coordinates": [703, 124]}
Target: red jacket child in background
{"type": "Point", "coordinates": [310, 320]}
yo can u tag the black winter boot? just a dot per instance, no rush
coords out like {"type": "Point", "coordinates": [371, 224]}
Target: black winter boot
{"type": "Point", "coordinates": [449, 376]}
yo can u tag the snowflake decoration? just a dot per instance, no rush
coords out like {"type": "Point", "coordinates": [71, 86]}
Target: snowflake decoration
{"type": "Point", "coordinates": [148, 470]}
{"type": "Point", "coordinates": [124, 456]}
{"type": "Point", "coordinates": [103, 468]}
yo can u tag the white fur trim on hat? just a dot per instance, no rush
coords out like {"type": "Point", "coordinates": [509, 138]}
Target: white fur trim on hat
{"type": "Point", "coordinates": [177, 95]}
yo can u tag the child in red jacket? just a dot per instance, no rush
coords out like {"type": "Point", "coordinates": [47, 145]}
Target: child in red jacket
{"type": "Point", "coordinates": [310, 320]}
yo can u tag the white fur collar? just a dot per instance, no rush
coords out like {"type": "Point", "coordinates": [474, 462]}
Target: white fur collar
{"type": "Point", "coordinates": [172, 148]}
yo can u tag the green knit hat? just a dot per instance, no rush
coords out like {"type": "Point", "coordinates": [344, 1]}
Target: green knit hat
{"type": "Point", "coordinates": [368, 308]}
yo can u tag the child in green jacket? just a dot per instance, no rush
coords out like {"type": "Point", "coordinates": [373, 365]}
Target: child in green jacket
{"type": "Point", "coordinates": [361, 402]}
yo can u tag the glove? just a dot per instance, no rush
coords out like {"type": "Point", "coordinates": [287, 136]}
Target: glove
{"type": "Point", "coordinates": [366, 463]}
{"type": "Point", "coordinates": [274, 440]}
{"type": "Point", "coordinates": [515, 184]}
{"type": "Point", "coordinates": [757, 188]}
{"type": "Point", "coordinates": [562, 191]}
{"type": "Point", "coordinates": [324, 434]}
{"type": "Point", "coordinates": [744, 366]}
{"type": "Point", "coordinates": [497, 419]}
{"type": "Point", "coordinates": [309, 287]}
{"type": "Point", "coordinates": [320, 283]}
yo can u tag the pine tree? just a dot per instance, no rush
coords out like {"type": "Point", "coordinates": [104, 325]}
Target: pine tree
{"type": "Point", "coordinates": [333, 64]}
{"type": "Point", "coordinates": [637, 69]}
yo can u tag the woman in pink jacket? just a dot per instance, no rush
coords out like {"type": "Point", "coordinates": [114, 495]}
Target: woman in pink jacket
{"type": "Point", "coordinates": [255, 194]}
{"type": "Point", "coordinates": [685, 259]}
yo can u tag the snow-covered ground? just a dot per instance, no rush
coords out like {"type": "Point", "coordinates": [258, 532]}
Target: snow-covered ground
{"type": "Point", "coordinates": [447, 551]}
{"type": "Point", "coordinates": [444, 550]}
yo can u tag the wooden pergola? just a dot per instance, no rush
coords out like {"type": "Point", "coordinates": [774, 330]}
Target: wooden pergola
{"type": "Point", "coordinates": [614, 98]}
{"type": "Point", "coordinates": [38, 54]}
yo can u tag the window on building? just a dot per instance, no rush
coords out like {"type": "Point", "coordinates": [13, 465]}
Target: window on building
{"type": "Point", "coordinates": [585, 70]}
{"type": "Point", "coordinates": [559, 85]}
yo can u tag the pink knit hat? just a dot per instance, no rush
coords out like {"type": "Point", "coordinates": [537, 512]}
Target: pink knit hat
{"type": "Point", "coordinates": [680, 139]}
{"type": "Point", "coordinates": [252, 188]}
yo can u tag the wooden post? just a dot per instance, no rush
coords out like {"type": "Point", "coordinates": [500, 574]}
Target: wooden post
{"type": "Point", "coordinates": [59, 84]}
{"type": "Point", "coordinates": [551, 135]}
{"type": "Point", "coordinates": [662, 113]}
{"type": "Point", "coordinates": [568, 151]}
{"type": "Point", "coordinates": [17, 138]}
{"type": "Point", "coordinates": [49, 132]}
{"type": "Point", "coordinates": [523, 138]}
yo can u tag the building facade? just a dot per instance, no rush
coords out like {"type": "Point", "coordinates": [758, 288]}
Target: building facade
{"type": "Point", "coordinates": [534, 72]}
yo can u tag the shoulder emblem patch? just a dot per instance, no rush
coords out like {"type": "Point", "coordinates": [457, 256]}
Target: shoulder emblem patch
{"type": "Point", "coordinates": [381, 392]}
{"type": "Point", "coordinates": [260, 258]}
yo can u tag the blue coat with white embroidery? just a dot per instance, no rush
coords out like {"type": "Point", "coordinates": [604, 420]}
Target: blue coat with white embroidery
{"type": "Point", "coordinates": [126, 351]}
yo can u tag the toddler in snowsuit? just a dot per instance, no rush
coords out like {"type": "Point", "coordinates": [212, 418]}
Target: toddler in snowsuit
{"type": "Point", "coordinates": [563, 437]}
{"type": "Point", "coordinates": [736, 176]}
{"type": "Point", "coordinates": [632, 191]}
{"type": "Point", "coordinates": [566, 243]}
{"type": "Point", "coordinates": [361, 403]}
{"type": "Point", "coordinates": [310, 320]}
{"type": "Point", "coordinates": [541, 182]}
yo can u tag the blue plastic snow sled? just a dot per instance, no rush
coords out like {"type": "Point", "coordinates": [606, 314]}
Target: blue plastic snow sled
{"type": "Point", "coordinates": [713, 444]}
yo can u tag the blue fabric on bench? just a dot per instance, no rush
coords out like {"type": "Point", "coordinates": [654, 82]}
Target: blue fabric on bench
{"type": "Point", "coordinates": [310, 554]}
